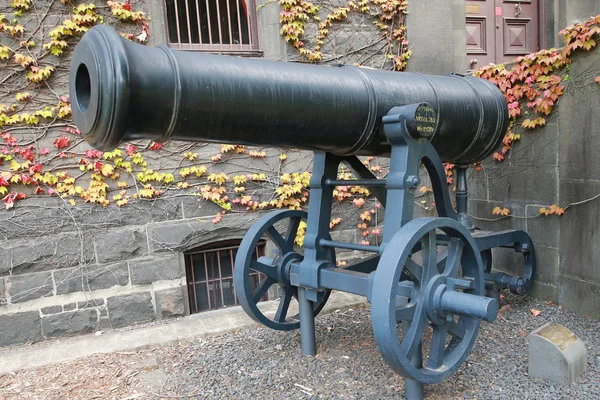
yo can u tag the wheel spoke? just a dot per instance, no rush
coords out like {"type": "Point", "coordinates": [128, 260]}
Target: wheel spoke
{"type": "Point", "coordinates": [284, 305]}
{"type": "Point", "coordinates": [406, 313]}
{"type": "Point", "coordinates": [415, 269]}
{"type": "Point", "coordinates": [292, 231]}
{"type": "Point", "coordinates": [438, 345]}
{"type": "Point", "coordinates": [412, 339]}
{"type": "Point", "coordinates": [455, 250]}
{"type": "Point", "coordinates": [405, 289]}
{"type": "Point", "coordinates": [262, 288]}
{"type": "Point", "coordinates": [429, 255]}
{"type": "Point", "coordinates": [278, 239]}
{"type": "Point", "coordinates": [441, 260]}
{"type": "Point", "coordinates": [263, 268]}
{"type": "Point", "coordinates": [456, 330]}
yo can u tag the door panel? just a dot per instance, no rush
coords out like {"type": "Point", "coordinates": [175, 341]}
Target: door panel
{"type": "Point", "coordinates": [476, 35]}
{"type": "Point", "coordinates": [519, 29]}
{"type": "Point", "coordinates": [500, 30]}
{"type": "Point", "coordinates": [481, 40]}
{"type": "Point", "coordinates": [517, 37]}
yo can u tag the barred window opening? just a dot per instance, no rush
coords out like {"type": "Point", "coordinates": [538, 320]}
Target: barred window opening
{"type": "Point", "coordinates": [212, 25]}
{"type": "Point", "coordinates": [209, 274]}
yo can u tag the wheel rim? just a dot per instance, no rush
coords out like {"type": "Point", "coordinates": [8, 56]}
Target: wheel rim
{"type": "Point", "coordinates": [393, 302]}
{"type": "Point", "coordinates": [273, 269]}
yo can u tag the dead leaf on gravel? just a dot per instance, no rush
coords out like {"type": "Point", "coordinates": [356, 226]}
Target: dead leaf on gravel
{"type": "Point", "coordinates": [535, 312]}
{"type": "Point", "coordinates": [505, 307]}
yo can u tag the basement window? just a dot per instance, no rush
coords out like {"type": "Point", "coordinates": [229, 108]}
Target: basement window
{"type": "Point", "coordinates": [209, 273]}
{"type": "Point", "coordinates": [222, 26]}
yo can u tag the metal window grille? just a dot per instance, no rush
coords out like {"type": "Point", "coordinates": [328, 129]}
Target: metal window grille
{"type": "Point", "coordinates": [224, 26]}
{"type": "Point", "coordinates": [209, 272]}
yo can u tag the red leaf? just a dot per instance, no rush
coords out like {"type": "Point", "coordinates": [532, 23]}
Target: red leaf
{"type": "Point", "coordinates": [9, 199]}
{"type": "Point", "coordinates": [10, 140]}
{"type": "Point", "coordinates": [93, 153]}
{"type": "Point", "coordinates": [44, 151]}
{"type": "Point", "coordinates": [130, 149]}
{"type": "Point", "coordinates": [61, 142]}
{"type": "Point", "coordinates": [27, 154]}
{"type": "Point", "coordinates": [35, 168]}
{"type": "Point", "coordinates": [155, 146]}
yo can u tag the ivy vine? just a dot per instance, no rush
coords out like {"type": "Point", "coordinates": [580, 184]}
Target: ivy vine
{"type": "Point", "coordinates": [532, 86]}
{"type": "Point", "coordinates": [388, 16]}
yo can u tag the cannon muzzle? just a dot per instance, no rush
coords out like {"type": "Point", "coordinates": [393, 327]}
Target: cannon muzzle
{"type": "Point", "coordinates": [122, 91]}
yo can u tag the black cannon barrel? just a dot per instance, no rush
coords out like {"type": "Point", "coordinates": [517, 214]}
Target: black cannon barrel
{"type": "Point", "coordinates": [123, 91]}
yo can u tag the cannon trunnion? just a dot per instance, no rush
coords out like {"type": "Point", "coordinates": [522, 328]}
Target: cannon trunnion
{"type": "Point", "coordinates": [427, 274]}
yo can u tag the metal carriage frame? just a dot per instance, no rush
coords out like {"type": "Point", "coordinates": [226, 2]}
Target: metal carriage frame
{"type": "Point", "coordinates": [449, 290]}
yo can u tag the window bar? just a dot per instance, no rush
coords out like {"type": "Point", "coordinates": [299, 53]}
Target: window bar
{"type": "Point", "coordinates": [210, 40]}
{"type": "Point", "coordinates": [220, 278]}
{"type": "Point", "coordinates": [193, 284]}
{"type": "Point", "coordinates": [229, 25]}
{"type": "Point", "coordinates": [232, 267]}
{"type": "Point", "coordinates": [219, 25]}
{"type": "Point", "coordinates": [187, 17]}
{"type": "Point", "coordinates": [249, 5]}
{"type": "Point", "coordinates": [177, 25]}
{"type": "Point", "coordinates": [199, 22]}
{"type": "Point", "coordinates": [207, 283]}
{"type": "Point", "coordinates": [239, 21]}
{"type": "Point", "coordinates": [261, 276]}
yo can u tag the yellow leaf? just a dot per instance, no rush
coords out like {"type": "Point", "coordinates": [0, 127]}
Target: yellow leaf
{"type": "Point", "coordinates": [107, 170]}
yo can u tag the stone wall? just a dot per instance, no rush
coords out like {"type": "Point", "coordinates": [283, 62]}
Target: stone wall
{"type": "Point", "coordinates": [436, 34]}
{"type": "Point", "coordinates": [557, 164]}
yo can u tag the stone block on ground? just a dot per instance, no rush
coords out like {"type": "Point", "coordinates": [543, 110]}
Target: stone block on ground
{"type": "Point", "coordinates": [556, 354]}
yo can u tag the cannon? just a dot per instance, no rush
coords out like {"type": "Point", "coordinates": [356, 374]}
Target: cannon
{"type": "Point", "coordinates": [431, 277]}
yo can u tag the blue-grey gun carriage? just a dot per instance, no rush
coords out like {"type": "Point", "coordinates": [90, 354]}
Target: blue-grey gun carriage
{"type": "Point", "coordinates": [428, 274]}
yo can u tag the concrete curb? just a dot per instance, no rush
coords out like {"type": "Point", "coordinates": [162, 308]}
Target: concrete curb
{"type": "Point", "coordinates": [158, 334]}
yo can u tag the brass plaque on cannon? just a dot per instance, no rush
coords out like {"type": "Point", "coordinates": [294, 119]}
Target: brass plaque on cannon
{"type": "Point", "coordinates": [425, 120]}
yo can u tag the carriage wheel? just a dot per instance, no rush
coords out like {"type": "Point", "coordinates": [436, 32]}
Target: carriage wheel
{"type": "Point", "coordinates": [280, 229]}
{"type": "Point", "coordinates": [445, 295]}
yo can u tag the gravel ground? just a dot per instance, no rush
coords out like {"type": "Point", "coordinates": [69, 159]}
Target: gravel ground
{"type": "Point", "coordinates": [265, 364]}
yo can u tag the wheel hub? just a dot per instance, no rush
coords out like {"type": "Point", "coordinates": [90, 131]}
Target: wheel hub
{"type": "Point", "coordinates": [284, 267]}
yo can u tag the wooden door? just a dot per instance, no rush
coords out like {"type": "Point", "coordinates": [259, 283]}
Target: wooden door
{"type": "Point", "coordinates": [500, 30]}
